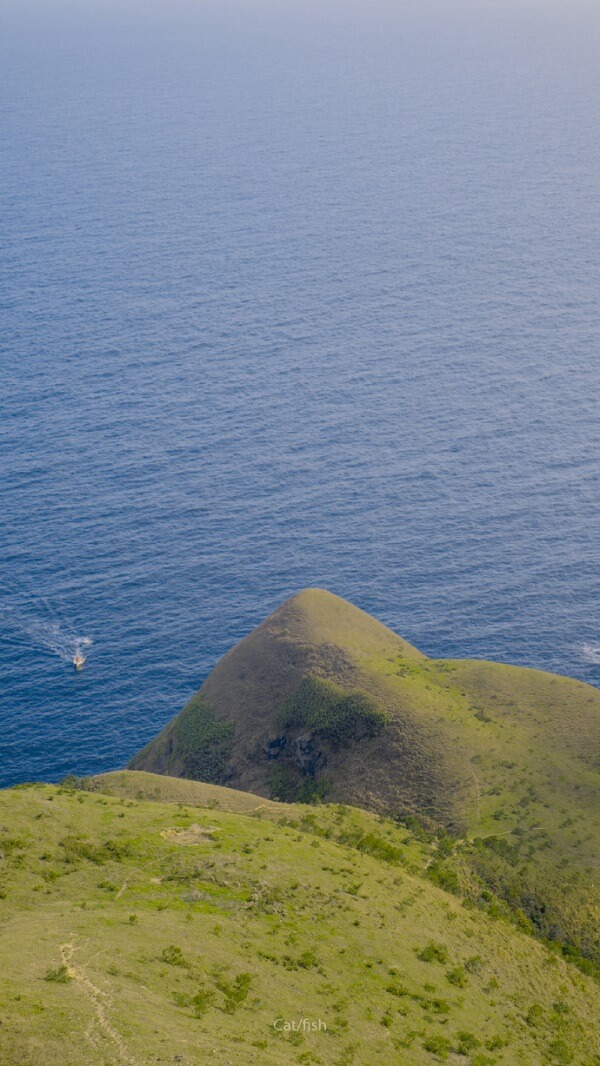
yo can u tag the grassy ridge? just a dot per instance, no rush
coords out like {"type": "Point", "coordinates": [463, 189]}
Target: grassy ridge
{"type": "Point", "coordinates": [136, 930]}
{"type": "Point", "coordinates": [502, 758]}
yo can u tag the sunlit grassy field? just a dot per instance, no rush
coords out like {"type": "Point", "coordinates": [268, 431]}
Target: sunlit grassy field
{"type": "Point", "coordinates": [194, 925]}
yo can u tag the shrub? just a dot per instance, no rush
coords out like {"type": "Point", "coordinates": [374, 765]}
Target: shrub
{"type": "Point", "coordinates": [561, 1052]}
{"type": "Point", "coordinates": [311, 791]}
{"type": "Point", "coordinates": [173, 956]}
{"type": "Point", "coordinates": [336, 715]}
{"type": "Point", "coordinates": [436, 1005]}
{"type": "Point", "coordinates": [397, 990]}
{"type": "Point", "coordinates": [308, 959]}
{"type": "Point", "coordinates": [497, 1042]}
{"type": "Point", "coordinates": [61, 975]}
{"type": "Point", "coordinates": [560, 1007]}
{"type": "Point", "coordinates": [417, 828]}
{"type": "Point", "coordinates": [443, 876]}
{"type": "Point", "coordinates": [467, 1042]}
{"type": "Point", "coordinates": [433, 953]}
{"type": "Point", "coordinates": [235, 991]}
{"type": "Point", "coordinates": [78, 784]}
{"type": "Point", "coordinates": [78, 847]}
{"type": "Point", "coordinates": [202, 1001]}
{"type": "Point", "coordinates": [474, 964]}
{"type": "Point", "coordinates": [534, 1015]}
{"type": "Point", "coordinates": [370, 844]}
{"type": "Point", "coordinates": [437, 1045]}
{"type": "Point", "coordinates": [10, 845]}
{"type": "Point", "coordinates": [445, 846]}
{"type": "Point", "coordinates": [457, 977]}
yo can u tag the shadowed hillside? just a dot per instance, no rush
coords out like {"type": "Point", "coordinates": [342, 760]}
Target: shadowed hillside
{"type": "Point", "coordinates": [234, 730]}
{"type": "Point", "coordinates": [321, 701]}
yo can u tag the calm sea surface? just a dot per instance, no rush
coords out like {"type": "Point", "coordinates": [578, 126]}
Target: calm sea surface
{"type": "Point", "coordinates": [289, 302]}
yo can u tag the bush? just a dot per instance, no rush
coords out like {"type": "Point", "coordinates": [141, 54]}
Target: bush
{"type": "Point", "coordinates": [311, 791]}
{"type": "Point", "coordinates": [397, 990]}
{"type": "Point", "coordinates": [235, 991]}
{"type": "Point", "coordinates": [534, 1015]}
{"type": "Point", "coordinates": [437, 1045]}
{"type": "Point", "coordinates": [308, 959]}
{"type": "Point", "coordinates": [474, 964]}
{"type": "Point", "coordinates": [561, 1052]}
{"type": "Point", "coordinates": [61, 975]}
{"type": "Point", "coordinates": [433, 953]}
{"type": "Point", "coordinates": [78, 847]}
{"type": "Point", "coordinates": [443, 876]}
{"type": "Point", "coordinates": [202, 1001]}
{"type": "Point", "coordinates": [445, 846]}
{"type": "Point", "coordinates": [497, 1042]}
{"type": "Point", "coordinates": [370, 844]}
{"type": "Point", "coordinates": [457, 977]}
{"type": "Point", "coordinates": [173, 956]}
{"type": "Point", "coordinates": [467, 1042]}
{"type": "Point", "coordinates": [336, 715]}
{"type": "Point", "coordinates": [77, 784]}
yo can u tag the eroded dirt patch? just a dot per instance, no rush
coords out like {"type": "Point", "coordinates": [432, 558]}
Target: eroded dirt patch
{"type": "Point", "coordinates": [192, 834]}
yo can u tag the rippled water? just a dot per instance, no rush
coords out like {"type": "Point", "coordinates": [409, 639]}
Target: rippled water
{"type": "Point", "coordinates": [290, 303]}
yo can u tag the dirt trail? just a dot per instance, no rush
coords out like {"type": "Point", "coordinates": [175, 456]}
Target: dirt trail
{"type": "Point", "coordinates": [477, 794]}
{"type": "Point", "coordinates": [99, 1001]}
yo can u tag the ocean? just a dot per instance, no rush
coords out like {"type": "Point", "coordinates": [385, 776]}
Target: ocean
{"type": "Point", "coordinates": [290, 299]}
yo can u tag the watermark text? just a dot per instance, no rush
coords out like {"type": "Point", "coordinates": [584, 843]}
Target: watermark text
{"type": "Point", "coordinates": [299, 1025]}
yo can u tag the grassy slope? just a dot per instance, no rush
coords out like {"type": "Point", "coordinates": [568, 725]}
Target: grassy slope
{"type": "Point", "coordinates": [464, 739]}
{"type": "Point", "coordinates": [108, 884]}
{"type": "Point", "coordinates": [315, 633]}
{"type": "Point", "coordinates": [486, 750]}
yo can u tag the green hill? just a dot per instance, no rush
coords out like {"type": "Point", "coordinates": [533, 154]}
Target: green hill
{"type": "Point", "coordinates": [147, 919]}
{"type": "Point", "coordinates": [321, 701]}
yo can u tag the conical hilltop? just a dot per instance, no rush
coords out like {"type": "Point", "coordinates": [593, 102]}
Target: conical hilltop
{"type": "Point", "coordinates": [322, 702]}
{"type": "Point", "coordinates": [301, 707]}
{"type": "Point", "coordinates": [454, 917]}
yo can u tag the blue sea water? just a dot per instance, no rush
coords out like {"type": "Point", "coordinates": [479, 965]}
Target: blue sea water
{"type": "Point", "coordinates": [290, 300]}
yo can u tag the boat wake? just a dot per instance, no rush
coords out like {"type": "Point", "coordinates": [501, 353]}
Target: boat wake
{"type": "Point", "coordinates": [37, 626]}
{"type": "Point", "coordinates": [591, 653]}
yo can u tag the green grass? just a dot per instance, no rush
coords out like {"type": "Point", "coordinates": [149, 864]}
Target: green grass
{"type": "Point", "coordinates": [331, 713]}
{"type": "Point", "coordinates": [502, 760]}
{"type": "Point", "coordinates": [199, 743]}
{"type": "Point", "coordinates": [138, 930]}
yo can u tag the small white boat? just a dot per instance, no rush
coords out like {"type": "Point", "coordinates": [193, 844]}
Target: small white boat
{"type": "Point", "coordinates": [78, 661]}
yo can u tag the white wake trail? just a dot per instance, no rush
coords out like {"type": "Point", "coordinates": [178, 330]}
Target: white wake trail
{"type": "Point", "coordinates": [591, 653]}
{"type": "Point", "coordinates": [38, 626]}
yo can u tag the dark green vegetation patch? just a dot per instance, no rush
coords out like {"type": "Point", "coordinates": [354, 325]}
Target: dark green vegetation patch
{"type": "Point", "coordinates": [200, 742]}
{"type": "Point", "coordinates": [338, 716]}
{"type": "Point", "coordinates": [288, 784]}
